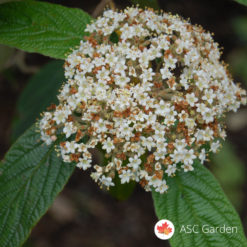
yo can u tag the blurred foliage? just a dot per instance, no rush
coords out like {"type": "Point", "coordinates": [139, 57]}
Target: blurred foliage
{"type": "Point", "coordinates": [229, 170]}
{"type": "Point", "coordinates": [39, 93]}
{"type": "Point", "coordinates": [5, 1]}
{"type": "Point", "coordinates": [238, 57]}
{"type": "Point", "coordinates": [5, 52]}
{"type": "Point", "coordinates": [227, 167]}
{"type": "Point", "coordinates": [147, 3]}
{"type": "Point", "coordinates": [244, 2]}
{"type": "Point", "coordinates": [28, 243]}
{"type": "Point", "coordinates": [240, 27]}
{"type": "Point", "coordinates": [238, 61]}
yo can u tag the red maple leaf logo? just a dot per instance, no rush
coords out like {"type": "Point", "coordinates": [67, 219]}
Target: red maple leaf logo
{"type": "Point", "coordinates": [164, 229]}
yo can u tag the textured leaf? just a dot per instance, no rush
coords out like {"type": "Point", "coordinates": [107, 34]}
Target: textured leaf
{"type": "Point", "coordinates": [147, 3]}
{"type": "Point", "coordinates": [49, 29]}
{"type": "Point", "coordinates": [196, 198]}
{"type": "Point", "coordinates": [40, 92]}
{"type": "Point", "coordinates": [244, 2]}
{"type": "Point", "coordinates": [31, 177]}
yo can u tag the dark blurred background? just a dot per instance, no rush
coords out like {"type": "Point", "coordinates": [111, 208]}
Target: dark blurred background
{"type": "Point", "coordinates": [83, 215]}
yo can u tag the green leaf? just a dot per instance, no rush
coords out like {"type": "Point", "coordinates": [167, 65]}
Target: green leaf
{"type": "Point", "coordinates": [196, 198]}
{"type": "Point", "coordinates": [40, 92]}
{"type": "Point", "coordinates": [31, 177]}
{"type": "Point", "coordinates": [46, 28]}
{"type": "Point", "coordinates": [147, 3]}
{"type": "Point", "coordinates": [244, 2]}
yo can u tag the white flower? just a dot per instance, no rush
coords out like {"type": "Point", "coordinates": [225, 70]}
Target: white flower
{"type": "Point", "coordinates": [155, 182]}
{"type": "Point", "coordinates": [170, 62]}
{"type": "Point", "coordinates": [127, 32]}
{"type": "Point", "coordinates": [163, 42]}
{"type": "Point", "coordinates": [147, 142]}
{"type": "Point", "coordinates": [180, 144]}
{"type": "Point", "coordinates": [125, 131]}
{"type": "Point", "coordinates": [147, 75]}
{"type": "Point", "coordinates": [177, 156]}
{"type": "Point", "coordinates": [189, 157]}
{"type": "Point", "coordinates": [202, 155]}
{"type": "Point", "coordinates": [111, 59]}
{"type": "Point", "coordinates": [170, 116]}
{"type": "Point", "coordinates": [84, 164]}
{"type": "Point", "coordinates": [161, 146]}
{"type": "Point", "coordinates": [71, 147]}
{"type": "Point", "coordinates": [60, 115]}
{"type": "Point", "coordinates": [107, 181]}
{"type": "Point", "coordinates": [154, 52]}
{"type": "Point", "coordinates": [190, 123]}
{"type": "Point", "coordinates": [162, 108]}
{"type": "Point", "coordinates": [69, 129]}
{"type": "Point", "coordinates": [121, 80]}
{"type": "Point", "coordinates": [134, 162]}
{"type": "Point", "coordinates": [208, 116]}
{"type": "Point", "coordinates": [165, 73]}
{"type": "Point", "coordinates": [120, 67]}
{"type": "Point", "coordinates": [151, 98]}
{"type": "Point", "coordinates": [157, 166]}
{"type": "Point", "coordinates": [44, 122]}
{"type": "Point", "coordinates": [163, 187]}
{"type": "Point", "coordinates": [202, 108]}
{"type": "Point", "coordinates": [171, 169]}
{"type": "Point", "coordinates": [100, 126]}
{"type": "Point", "coordinates": [191, 99]}
{"type": "Point", "coordinates": [215, 146]}
{"type": "Point", "coordinates": [108, 145]}
{"type": "Point", "coordinates": [159, 155]}
{"type": "Point", "coordinates": [187, 167]}
{"type": "Point", "coordinates": [103, 74]}
{"type": "Point", "coordinates": [209, 96]}
{"type": "Point", "coordinates": [208, 134]}
{"type": "Point", "coordinates": [125, 176]}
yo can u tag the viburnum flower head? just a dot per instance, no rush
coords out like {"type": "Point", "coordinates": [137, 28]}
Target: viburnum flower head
{"type": "Point", "coordinates": [150, 91]}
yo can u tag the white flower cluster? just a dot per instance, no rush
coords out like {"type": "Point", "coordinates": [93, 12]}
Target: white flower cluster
{"type": "Point", "coordinates": [150, 91]}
